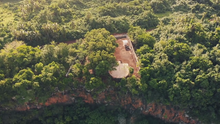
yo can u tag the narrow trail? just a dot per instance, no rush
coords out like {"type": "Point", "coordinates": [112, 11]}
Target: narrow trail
{"type": "Point", "coordinates": [114, 34]}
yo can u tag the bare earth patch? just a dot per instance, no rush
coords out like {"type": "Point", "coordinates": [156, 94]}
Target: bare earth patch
{"type": "Point", "coordinates": [126, 56]}
{"type": "Point", "coordinates": [70, 42]}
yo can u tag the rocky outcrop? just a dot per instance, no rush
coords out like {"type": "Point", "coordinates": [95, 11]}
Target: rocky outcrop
{"type": "Point", "coordinates": [110, 97]}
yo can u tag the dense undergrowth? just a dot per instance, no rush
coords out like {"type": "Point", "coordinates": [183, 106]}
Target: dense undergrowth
{"type": "Point", "coordinates": [179, 59]}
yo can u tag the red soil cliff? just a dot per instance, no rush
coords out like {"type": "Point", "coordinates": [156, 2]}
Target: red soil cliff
{"type": "Point", "coordinates": [110, 97]}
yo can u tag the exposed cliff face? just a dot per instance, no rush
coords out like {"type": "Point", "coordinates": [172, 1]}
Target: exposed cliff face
{"type": "Point", "coordinates": [130, 103]}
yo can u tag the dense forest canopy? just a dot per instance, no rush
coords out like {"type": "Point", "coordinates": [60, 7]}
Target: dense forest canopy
{"type": "Point", "coordinates": [179, 56]}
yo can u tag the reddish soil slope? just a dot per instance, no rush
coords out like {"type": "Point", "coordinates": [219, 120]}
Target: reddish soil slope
{"type": "Point", "coordinates": [164, 112]}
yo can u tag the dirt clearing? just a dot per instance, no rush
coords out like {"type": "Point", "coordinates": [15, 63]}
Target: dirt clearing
{"type": "Point", "coordinates": [127, 56]}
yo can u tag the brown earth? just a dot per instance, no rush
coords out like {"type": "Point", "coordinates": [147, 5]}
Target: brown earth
{"type": "Point", "coordinates": [70, 42]}
{"type": "Point", "coordinates": [126, 56]}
